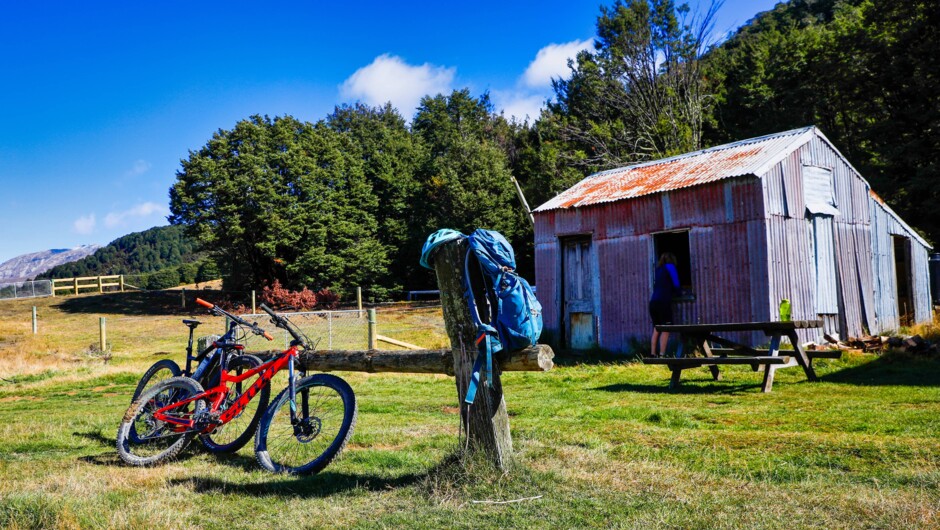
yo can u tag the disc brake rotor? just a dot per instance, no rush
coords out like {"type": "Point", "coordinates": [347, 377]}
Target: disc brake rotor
{"type": "Point", "coordinates": [308, 429]}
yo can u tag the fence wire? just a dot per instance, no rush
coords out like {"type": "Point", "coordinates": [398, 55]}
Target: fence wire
{"type": "Point", "coordinates": [27, 289]}
{"type": "Point", "coordinates": [349, 329]}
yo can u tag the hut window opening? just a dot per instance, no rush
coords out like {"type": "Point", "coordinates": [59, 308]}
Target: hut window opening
{"type": "Point", "coordinates": [678, 244]}
{"type": "Point", "coordinates": [818, 191]}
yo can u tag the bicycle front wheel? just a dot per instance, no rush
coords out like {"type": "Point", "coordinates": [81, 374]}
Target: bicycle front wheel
{"type": "Point", "coordinates": [155, 440]}
{"type": "Point", "coordinates": [325, 418]}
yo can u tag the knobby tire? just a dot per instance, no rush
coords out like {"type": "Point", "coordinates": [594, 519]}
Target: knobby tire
{"type": "Point", "coordinates": [331, 407]}
{"type": "Point", "coordinates": [158, 442]}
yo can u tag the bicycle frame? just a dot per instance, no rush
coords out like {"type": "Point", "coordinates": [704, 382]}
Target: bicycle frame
{"type": "Point", "coordinates": [265, 373]}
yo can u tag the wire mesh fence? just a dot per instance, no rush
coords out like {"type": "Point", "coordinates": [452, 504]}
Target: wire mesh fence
{"type": "Point", "coordinates": [349, 329]}
{"type": "Point", "coordinates": [27, 289]}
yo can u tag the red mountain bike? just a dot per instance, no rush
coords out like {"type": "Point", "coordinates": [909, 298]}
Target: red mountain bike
{"type": "Point", "coordinates": [238, 432]}
{"type": "Point", "coordinates": [302, 430]}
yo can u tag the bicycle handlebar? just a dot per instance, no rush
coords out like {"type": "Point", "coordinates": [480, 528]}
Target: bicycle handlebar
{"type": "Point", "coordinates": [282, 323]}
{"type": "Point", "coordinates": [203, 303]}
{"type": "Point", "coordinates": [238, 320]}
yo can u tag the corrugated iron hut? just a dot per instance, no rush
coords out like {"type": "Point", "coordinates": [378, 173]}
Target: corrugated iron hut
{"type": "Point", "coordinates": [751, 223]}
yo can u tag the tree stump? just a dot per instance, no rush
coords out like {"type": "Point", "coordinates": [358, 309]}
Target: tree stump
{"type": "Point", "coordinates": [485, 421]}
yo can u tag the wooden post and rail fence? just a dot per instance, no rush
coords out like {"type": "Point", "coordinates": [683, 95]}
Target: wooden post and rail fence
{"type": "Point", "coordinates": [75, 285]}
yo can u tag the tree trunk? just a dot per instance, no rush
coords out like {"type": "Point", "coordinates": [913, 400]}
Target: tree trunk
{"type": "Point", "coordinates": [485, 421]}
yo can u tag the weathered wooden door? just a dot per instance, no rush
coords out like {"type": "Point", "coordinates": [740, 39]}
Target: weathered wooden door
{"type": "Point", "coordinates": [578, 288]}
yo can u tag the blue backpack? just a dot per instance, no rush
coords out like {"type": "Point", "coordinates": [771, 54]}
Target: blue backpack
{"type": "Point", "coordinates": [513, 314]}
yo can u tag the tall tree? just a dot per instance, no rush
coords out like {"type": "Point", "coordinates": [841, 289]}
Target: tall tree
{"type": "Point", "coordinates": [282, 199]}
{"type": "Point", "coordinates": [641, 94]}
{"type": "Point", "coordinates": [465, 178]}
{"type": "Point", "coordinates": [390, 157]}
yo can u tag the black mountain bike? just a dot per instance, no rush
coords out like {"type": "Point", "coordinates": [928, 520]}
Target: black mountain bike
{"type": "Point", "coordinates": [207, 371]}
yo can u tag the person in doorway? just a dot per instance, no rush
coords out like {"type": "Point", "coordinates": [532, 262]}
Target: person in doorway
{"type": "Point", "coordinates": [665, 287]}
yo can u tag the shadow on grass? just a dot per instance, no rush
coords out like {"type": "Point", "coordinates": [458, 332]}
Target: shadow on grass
{"type": "Point", "coordinates": [142, 303]}
{"type": "Point", "coordinates": [453, 474]}
{"type": "Point", "coordinates": [900, 369]}
{"type": "Point", "coordinates": [96, 436]}
{"type": "Point", "coordinates": [689, 388]}
{"type": "Point", "coordinates": [571, 358]}
{"type": "Point", "coordinates": [319, 485]}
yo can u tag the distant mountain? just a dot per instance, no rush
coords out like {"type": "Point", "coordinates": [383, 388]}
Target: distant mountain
{"type": "Point", "coordinates": [138, 252]}
{"type": "Point", "coordinates": [29, 266]}
{"type": "Point", "coordinates": [157, 258]}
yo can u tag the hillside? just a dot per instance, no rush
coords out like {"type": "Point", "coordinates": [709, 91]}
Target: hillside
{"type": "Point", "coordinates": [28, 266]}
{"type": "Point", "coordinates": [157, 258]}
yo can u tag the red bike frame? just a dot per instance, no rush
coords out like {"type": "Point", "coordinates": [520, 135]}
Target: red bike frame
{"type": "Point", "coordinates": [267, 372]}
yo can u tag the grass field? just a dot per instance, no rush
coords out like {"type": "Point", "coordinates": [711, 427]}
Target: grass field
{"type": "Point", "coordinates": [602, 444]}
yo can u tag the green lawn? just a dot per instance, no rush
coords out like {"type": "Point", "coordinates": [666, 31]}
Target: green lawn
{"type": "Point", "coordinates": [603, 444]}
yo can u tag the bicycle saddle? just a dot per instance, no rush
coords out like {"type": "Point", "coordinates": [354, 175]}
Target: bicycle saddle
{"type": "Point", "coordinates": [192, 323]}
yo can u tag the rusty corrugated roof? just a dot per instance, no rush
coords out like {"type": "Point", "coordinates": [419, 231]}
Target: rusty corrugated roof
{"type": "Point", "coordinates": [746, 157]}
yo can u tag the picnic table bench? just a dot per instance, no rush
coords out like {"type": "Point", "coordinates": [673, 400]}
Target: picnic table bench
{"type": "Point", "coordinates": [770, 359]}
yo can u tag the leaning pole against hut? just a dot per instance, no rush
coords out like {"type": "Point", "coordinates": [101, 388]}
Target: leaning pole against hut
{"type": "Point", "coordinates": [485, 422]}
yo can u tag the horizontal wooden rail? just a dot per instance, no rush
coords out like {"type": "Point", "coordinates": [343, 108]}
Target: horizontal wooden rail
{"type": "Point", "coordinates": [74, 285]}
{"type": "Point", "coordinates": [536, 358]}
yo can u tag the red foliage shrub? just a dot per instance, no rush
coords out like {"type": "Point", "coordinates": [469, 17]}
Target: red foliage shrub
{"type": "Point", "coordinates": [327, 299]}
{"type": "Point", "coordinates": [279, 297]}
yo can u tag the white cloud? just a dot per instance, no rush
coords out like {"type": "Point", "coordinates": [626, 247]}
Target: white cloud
{"type": "Point", "coordinates": [518, 104]}
{"type": "Point", "coordinates": [144, 209]}
{"type": "Point", "coordinates": [534, 86]}
{"type": "Point", "coordinates": [139, 168]}
{"type": "Point", "coordinates": [552, 62]}
{"type": "Point", "coordinates": [85, 224]}
{"type": "Point", "coordinates": [389, 78]}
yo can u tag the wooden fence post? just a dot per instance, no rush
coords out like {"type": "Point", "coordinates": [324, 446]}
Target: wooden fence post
{"type": "Point", "coordinates": [372, 328]}
{"type": "Point", "coordinates": [254, 308]}
{"type": "Point", "coordinates": [359, 300]}
{"type": "Point", "coordinates": [75, 282]}
{"type": "Point", "coordinates": [102, 334]}
{"type": "Point", "coordinates": [122, 283]}
{"type": "Point", "coordinates": [486, 420]}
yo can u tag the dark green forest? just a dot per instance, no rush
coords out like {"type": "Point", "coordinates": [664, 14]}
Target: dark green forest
{"type": "Point", "coordinates": [157, 258]}
{"type": "Point", "coordinates": [348, 200]}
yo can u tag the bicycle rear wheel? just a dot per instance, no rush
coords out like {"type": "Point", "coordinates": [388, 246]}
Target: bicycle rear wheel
{"type": "Point", "coordinates": [156, 440]}
{"type": "Point", "coordinates": [160, 371]}
{"type": "Point", "coordinates": [326, 413]}
{"type": "Point", "coordinates": [233, 435]}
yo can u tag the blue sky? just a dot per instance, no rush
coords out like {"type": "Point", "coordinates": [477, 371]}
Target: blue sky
{"type": "Point", "coordinates": [99, 101]}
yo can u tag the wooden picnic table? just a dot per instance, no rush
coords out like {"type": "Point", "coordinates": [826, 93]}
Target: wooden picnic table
{"type": "Point", "coordinates": [701, 335]}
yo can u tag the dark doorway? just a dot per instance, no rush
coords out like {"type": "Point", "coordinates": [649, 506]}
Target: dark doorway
{"type": "Point", "coordinates": [678, 244]}
{"type": "Point", "coordinates": [902, 270]}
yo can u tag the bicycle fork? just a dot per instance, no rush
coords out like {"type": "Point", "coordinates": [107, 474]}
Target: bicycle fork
{"type": "Point", "coordinates": [301, 422]}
